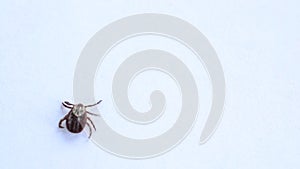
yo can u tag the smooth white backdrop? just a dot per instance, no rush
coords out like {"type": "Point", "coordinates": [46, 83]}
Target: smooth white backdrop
{"type": "Point", "coordinates": [257, 43]}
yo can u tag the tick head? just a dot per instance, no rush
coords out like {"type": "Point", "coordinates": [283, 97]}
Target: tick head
{"type": "Point", "coordinates": [78, 110]}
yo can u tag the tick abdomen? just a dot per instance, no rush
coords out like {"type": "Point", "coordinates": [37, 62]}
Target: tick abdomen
{"type": "Point", "coordinates": [76, 124]}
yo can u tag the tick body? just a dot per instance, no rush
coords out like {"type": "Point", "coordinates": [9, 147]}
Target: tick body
{"type": "Point", "coordinates": [77, 117]}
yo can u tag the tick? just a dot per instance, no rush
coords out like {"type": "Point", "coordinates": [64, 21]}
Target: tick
{"type": "Point", "coordinates": [77, 117]}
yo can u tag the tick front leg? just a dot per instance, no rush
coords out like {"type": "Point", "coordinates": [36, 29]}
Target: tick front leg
{"type": "Point", "coordinates": [90, 128]}
{"type": "Point", "coordinates": [94, 104]}
{"type": "Point", "coordinates": [67, 105]}
{"type": "Point", "coordinates": [92, 123]}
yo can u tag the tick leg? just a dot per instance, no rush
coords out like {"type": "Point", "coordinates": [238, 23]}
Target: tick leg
{"type": "Point", "coordinates": [90, 128]}
{"type": "Point", "coordinates": [92, 123]}
{"type": "Point", "coordinates": [92, 113]}
{"type": "Point", "coordinates": [68, 103]}
{"type": "Point", "coordinates": [65, 104]}
{"type": "Point", "coordinates": [60, 122]}
{"type": "Point", "coordinates": [94, 104]}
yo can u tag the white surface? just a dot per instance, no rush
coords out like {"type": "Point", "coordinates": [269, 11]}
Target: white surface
{"type": "Point", "coordinates": [257, 43]}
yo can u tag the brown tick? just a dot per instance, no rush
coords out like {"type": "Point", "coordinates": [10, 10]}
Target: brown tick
{"type": "Point", "coordinates": [77, 117]}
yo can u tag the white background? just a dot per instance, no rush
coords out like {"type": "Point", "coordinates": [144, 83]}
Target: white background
{"type": "Point", "coordinates": [257, 43]}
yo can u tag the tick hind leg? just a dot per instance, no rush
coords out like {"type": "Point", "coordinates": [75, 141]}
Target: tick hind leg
{"type": "Point", "coordinates": [60, 122]}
